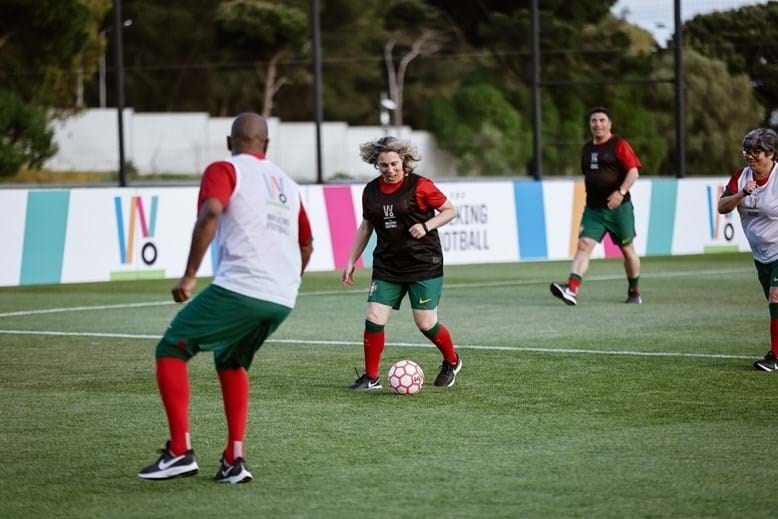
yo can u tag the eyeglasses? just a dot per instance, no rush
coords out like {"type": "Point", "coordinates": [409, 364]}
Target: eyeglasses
{"type": "Point", "coordinates": [753, 153]}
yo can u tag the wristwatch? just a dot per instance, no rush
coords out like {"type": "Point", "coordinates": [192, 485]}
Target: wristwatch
{"type": "Point", "coordinates": [622, 192]}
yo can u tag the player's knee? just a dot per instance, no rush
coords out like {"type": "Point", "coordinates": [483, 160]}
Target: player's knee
{"type": "Point", "coordinates": [425, 322]}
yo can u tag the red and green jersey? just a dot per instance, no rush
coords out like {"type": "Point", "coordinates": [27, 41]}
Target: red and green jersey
{"type": "Point", "coordinates": [392, 209]}
{"type": "Point", "coordinates": [604, 166]}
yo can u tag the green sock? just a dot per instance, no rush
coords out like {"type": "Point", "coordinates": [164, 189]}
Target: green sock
{"type": "Point", "coordinates": [432, 332]}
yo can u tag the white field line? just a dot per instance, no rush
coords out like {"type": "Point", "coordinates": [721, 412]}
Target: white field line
{"type": "Point", "coordinates": [402, 345]}
{"type": "Point", "coordinates": [506, 283]}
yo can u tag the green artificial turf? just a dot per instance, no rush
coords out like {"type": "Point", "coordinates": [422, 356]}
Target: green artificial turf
{"type": "Point", "coordinates": [599, 410]}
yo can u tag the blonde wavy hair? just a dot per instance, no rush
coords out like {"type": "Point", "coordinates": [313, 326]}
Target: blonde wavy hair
{"type": "Point", "coordinates": [369, 151]}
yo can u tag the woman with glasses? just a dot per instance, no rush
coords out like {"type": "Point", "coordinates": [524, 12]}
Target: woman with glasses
{"type": "Point", "coordinates": [753, 191]}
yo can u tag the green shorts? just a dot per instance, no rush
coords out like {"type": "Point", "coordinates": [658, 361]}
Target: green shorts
{"type": "Point", "coordinates": [768, 276]}
{"type": "Point", "coordinates": [231, 325]}
{"type": "Point", "coordinates": [424, 295]}
{"type": "Point", "coordinates": [619, 222]}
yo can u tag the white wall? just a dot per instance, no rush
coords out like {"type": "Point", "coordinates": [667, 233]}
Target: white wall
{"type": "Point", "coordinates": [184, 143]}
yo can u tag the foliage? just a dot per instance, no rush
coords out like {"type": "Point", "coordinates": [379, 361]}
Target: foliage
{"type": "Point", "coordinates": [172, 70]}
{"type": "Point", "coordinates": [745, 40]}
{"type": "Point", "coordinates": [482, 130]}
{"type": "Point", "coordinates": [25, 139]}
{"type": "Point", "coordinates": [227, 56]}
{"type": "Point", "coordinates": [712, 135]}
{"type": "Point", "coordinates": [259, 30]}
{"type": "Point", "coordinates": [43, 47]}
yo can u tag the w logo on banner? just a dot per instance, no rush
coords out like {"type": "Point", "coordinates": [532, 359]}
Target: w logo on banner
{"type": "Point", "coordinates": [717, 230]}
{"type": "Point", "coordinates": [136, 218]}
{"type": "Point", "coordinates": [275, 188]}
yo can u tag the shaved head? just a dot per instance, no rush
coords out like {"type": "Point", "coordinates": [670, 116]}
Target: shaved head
{"type": "Point", "coordinates": [249, 134]}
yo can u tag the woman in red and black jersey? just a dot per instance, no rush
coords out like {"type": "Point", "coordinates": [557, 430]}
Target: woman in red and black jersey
{"type": "Point", "coordinates": [404, 209]}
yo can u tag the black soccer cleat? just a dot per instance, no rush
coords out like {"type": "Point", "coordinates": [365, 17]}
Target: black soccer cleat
{"type": "Point", "coordinates": [563, 292]}
{"type": "Point", "coordinates": [238, 472]}
{"type": "Point", "coordinates": [170, 466]}
{"type": "Point", "coordinates": [448, 373]}
{"type": "Point", "coordinates": [365, 383]}
{"type": "Point", "coordinates": [634, 298]}
{"type": "Point", "coordinates": [768, 363]}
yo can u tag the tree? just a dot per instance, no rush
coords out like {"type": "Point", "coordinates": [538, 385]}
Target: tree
{"type": "Point", "coordinates": [25, 138]}
{"type": "Point", "coordinates": [712, 135]}
{"type": "Point", "coordinates": [744, 39]}
{"type": "Point", "coordinates": [482, 130]}
{"type": "Point", "coordinates": [43, 47]}
{"type": "Point", "coordinates": [264, 31]}
{"type": "Point", "coordinates": [418, 31]}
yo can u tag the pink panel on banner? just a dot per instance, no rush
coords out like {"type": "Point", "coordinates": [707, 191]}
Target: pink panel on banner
{"type": "Point", "coordinates": [343, 223]}
{"type": "Point", "coordinates": [611, 249]}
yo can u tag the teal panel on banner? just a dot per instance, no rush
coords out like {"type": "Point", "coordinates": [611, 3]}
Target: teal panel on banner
{"type": "Point", "coordinates": [44, 237]}
{"type": "Point", "coordinates": [530, 220]}
{"type": "Point", "coordinates": [661, 222]}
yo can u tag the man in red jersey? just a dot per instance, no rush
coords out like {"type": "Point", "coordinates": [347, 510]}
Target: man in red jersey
{"type": "Point", "coordinates": [753, 191]}
{"type": "Point", "coordinates": [405, 210]}
{"type": "Point", "coordinates": [610, 168]}
{"type": "Point", "coordinates": [254, 212]}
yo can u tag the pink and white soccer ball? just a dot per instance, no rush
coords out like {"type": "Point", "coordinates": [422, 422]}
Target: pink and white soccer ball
{"type": "Point", "coordinates": [405, 377]}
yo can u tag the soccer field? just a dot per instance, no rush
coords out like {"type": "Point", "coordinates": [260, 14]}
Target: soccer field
{"type": "Point", "coordinates": [599, 410]}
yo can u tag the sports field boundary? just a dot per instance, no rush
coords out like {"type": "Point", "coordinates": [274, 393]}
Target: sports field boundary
{"type": "Point", "coordinates": [51, 333]}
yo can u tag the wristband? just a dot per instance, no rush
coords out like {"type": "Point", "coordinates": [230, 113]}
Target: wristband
{"type": "Point", "coordinates": [745, 193]}
{"type": "Point", "coordinates": [424, 226]}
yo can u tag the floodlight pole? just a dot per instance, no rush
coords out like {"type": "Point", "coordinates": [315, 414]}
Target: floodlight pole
{"type": "Point", "coordinates": [537, 153]}
{"type": "Point", "coordinates": [680, 124]}
{"type": "Point", "coordinates": [317, 89]}
{"type": "Point", "coordinates": [117, 26]}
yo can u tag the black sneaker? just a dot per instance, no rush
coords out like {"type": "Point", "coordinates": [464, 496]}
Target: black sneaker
{"type": "Point", "coordinates": [448, 373]}
{"type": "Point", "coordinates": [365, 383]}
{"type": "Point", "coordinates": [634, 298]}
{"type": "Point", "coordinates": [768, 363]}
{"type": "Point", "coordinates": [238, 472]}
{"type": "Point", "coordinates": [563, 292]}
{"type": "Point", "coordinates": [169, 466]}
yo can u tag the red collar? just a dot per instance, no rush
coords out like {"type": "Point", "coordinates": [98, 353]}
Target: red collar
{"type": "Point", "coordinates": [387, 188]}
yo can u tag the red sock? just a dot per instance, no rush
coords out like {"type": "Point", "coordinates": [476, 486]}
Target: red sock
{"type": "Point", "coordinates": [574, 283]}
{"type": "Point", "coordinates": [374, 348]}
{"type": "Point", "coordinates": [774, 336]}
{"type": "Point", "coordinates": [442, 339]}
{"type": "Point", "coordinates": [235, 392]}
{"type": "Point", "coordinates": [173, 383]}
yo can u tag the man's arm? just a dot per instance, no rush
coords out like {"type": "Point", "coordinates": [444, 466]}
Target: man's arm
{"type": "Point", "coordinates": [202, 235]}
